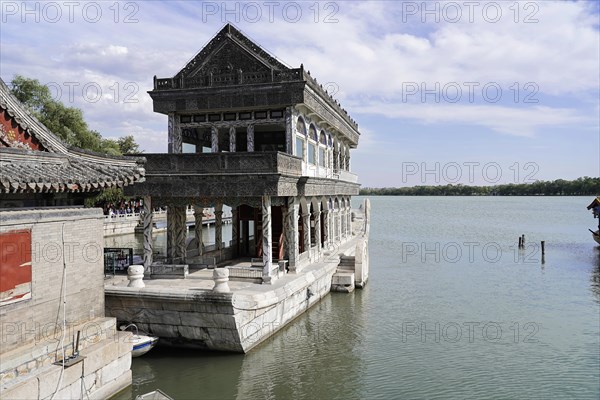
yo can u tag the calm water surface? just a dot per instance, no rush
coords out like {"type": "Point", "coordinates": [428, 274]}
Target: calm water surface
{"type": "Point", "coordinates": [452, 310]}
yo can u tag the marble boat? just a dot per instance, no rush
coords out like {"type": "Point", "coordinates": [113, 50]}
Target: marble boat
{"type": "Point", "coordinates": [273, 145]}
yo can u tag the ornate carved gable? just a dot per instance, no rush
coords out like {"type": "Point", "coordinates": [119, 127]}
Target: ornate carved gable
{"type": "Point", "coordinates": [230, 52]}
{"type": "Point", "coordinates": [19, 129]}
{"type": "Point", "coordinates": [13, 135]}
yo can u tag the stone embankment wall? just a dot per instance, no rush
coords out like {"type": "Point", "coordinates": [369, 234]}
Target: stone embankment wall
{"type": "Point", "coordinates": [65, 253]}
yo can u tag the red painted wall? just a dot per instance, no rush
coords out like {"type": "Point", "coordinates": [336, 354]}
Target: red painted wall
{"type": "Point", "coordinates": [15, 266]}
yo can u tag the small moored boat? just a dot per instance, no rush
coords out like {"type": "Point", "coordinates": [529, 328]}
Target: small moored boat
{"type": "Point", "coordinates": [141, 343]}
{"type": "Point", "coordinates": [154, 395]}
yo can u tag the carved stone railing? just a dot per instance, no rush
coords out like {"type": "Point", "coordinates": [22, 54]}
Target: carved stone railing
{"type": "Point", "coordinates": [245, 272]}
{"type": "Point", "coordinates": [348, 176]}
{"type": "Point", "coordinates": [227, 79]}
{"type": "Point", "coordinates": [223, 163]}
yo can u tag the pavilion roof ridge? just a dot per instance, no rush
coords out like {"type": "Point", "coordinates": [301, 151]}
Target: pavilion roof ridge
{"type": "Point", "coordinates": [231, 33]}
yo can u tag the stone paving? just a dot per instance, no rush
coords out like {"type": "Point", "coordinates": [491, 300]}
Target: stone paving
{"type": "Point", "coordinates": [203, 279]}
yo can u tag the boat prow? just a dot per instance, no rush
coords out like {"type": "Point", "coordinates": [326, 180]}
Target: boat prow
{"type": "Point", "coordinates": [154, 395]}
{"type": "Point", "coordinates": [142, 344]}
{"type": "Point", "coordinates": [596, 236]}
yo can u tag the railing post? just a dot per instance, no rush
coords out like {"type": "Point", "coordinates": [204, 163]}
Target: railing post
{"type": "Point", "coordinates": [214, 139]}
{"type": "Point", "coordinates": [250, 138]}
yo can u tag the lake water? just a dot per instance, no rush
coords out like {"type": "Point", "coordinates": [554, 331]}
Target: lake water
{"type": "Point", "coordinates": [452, 310]}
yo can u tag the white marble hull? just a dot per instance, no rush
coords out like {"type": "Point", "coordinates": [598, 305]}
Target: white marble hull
{"type": "Point", "coordinates": [218, 321]}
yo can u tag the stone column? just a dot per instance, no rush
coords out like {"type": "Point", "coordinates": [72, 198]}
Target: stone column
{"type": "Point", "coordinates": [174, 134]}
{"type": "Point", "coordinates": [181, 234]}
{"type": "Point", "coordinates": [243, 242]}
{"type": "Point", "coordinates": [219, 226]}
{"type": "Point", "coordinates": [214, 139]}
{"type": "Point", "coordinates": [336, 160]}
{"type": "Point", "coordinates": [198, 215]}
{"type": "Point", "coordinates": [291, 232]}
{"type": "Point", "coordinates": [349, 223]}
{"type": "Point", "coordinates": [338, 223]}
{"type": "Point", "coordinates": [234, 229]}
{"type": "Point", "coordinates": [147, 223]}
{"type": "Point", "coordinates": [250, 137]}
{"type": "Point", "coordinates": [317, 217]}
{"type": "Point", "coordinates": [306, 230]}
{"type": "Point", "coordinates": [289, 130]}
{"type": "Point", "coordinates": [344, 223]}
{"type": "Point", "coordinates": [305, 149]}
{"type": "Point", "coordinates": [176, 234]}
{"type": "Point", "coordinates": [232, 139]}
{"type": "Point", "coordinates": [326, 228]}
{"type": "Point", "coordinates": [170, 232]}
{"type": "Point", "coordinates": [266, 237]}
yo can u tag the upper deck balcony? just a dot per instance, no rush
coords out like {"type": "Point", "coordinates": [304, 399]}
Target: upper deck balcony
{"type": "Point", "coordinates": [243, 163]}
{"type": "Point", "coordinates": [238, 174]}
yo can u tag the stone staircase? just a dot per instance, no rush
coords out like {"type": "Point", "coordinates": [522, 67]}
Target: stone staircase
{"type": "Point", "coordinates": [346, 264]}
{"type": "Point", "coordinates": [353, 268]}
{"type": "Point", "coordinates": [343, 279]}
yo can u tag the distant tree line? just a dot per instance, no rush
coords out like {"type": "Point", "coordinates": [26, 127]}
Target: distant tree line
{"type": "Point", "coordinates": [585, 186]}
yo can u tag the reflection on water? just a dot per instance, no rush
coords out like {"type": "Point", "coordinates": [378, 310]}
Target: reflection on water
{"type": "Point", "coordinates": [595, 275]}
{"type": "Point", "coordinates": [183, 374]}
{"type": "Point", "coordinates": [435, 320]}
{"type": "Point", "coordinates": [316, 357]}
{"type": "Point", "coordinates": [311, 359]}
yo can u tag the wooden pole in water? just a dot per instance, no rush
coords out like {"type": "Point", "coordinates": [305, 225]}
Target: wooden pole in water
{"type": "Point", "coordinates": [543, 247]}
{"type": "Point", "coordinates": [523, 240]}
{"type": "Point", "coordinates": [520, 242]}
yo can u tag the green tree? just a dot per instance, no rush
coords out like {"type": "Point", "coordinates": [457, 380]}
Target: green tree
{"type": "Point", "coordinates": [128, 145]}
{"type": "Point", "coordinates": [66, 122]}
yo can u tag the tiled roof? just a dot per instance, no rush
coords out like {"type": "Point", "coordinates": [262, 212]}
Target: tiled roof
{"type": "Point", "coordinates": [42, 172]}
{"type": "Point", "coordinates": [62, 168]}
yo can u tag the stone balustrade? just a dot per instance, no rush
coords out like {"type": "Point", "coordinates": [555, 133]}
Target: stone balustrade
{"type": "Point", "coordinates": [224, 163]}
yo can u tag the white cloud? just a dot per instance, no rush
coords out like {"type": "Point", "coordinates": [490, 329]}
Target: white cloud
{"type": "Point", "coordinates": [373, 49]}
{"type": "Point", "coordinates": [506, 120]}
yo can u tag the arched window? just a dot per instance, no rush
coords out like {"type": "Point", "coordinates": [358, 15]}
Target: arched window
{"type": "Point", "coordinates": [300, 138]}
{"type": "Point", "coordinates": [313, 140]}
{"type": "Point", "coordinates": [312, 133]}
{"type": "Point", "coordinates": [323, 138]}
{"type": "Point", "coordinates": [322, 150]}
{"type": "Point", "coordinates": [301, 127]}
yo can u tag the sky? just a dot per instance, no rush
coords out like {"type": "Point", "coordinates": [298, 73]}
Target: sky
{"type": "Point", "coordinates": [459, 92]}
